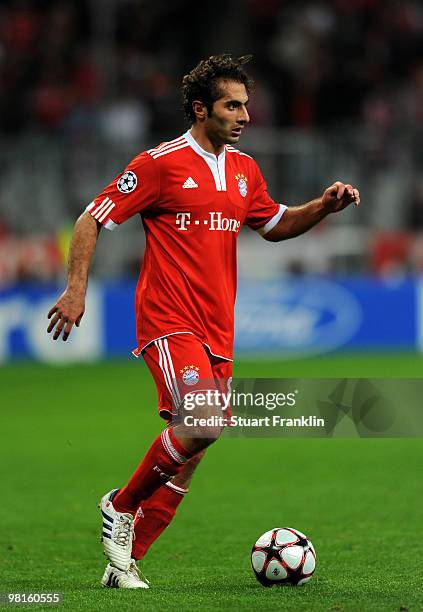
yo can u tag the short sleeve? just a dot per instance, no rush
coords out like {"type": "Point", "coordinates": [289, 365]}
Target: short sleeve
{"type": "Point", "coordinates": [263, 213]}
{"type": "Point", "coordinates": [131, 192]}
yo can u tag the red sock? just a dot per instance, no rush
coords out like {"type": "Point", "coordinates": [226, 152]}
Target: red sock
{"type": "Point", "coordinates": [165, 458]}
{"type": "Point", "coordinates": [157, 513]}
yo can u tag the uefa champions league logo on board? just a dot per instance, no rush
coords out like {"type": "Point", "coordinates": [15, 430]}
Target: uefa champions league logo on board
{"type": "Point", "coordinates": [190, 375]}
{"type": "Point", "coordinates": [242, 184]}
{"type": "Point", "coordinates": [127, 182]}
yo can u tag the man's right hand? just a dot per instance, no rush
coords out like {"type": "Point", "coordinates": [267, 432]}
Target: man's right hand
{"type": "Point", "coordinates": [67, 311]}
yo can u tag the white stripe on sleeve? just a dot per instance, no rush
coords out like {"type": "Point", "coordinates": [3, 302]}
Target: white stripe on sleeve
{"type": "Point", "coordinates": [273, 221]}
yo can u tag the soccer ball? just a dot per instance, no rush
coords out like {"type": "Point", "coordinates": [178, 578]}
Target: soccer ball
{"type": "Point", "coordinates": [283, 556]}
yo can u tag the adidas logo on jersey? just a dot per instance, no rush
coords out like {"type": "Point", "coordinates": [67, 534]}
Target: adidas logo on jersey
{"type": "Point", "coordinates": [189, 184]}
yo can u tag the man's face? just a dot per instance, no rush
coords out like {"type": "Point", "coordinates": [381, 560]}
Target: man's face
{"type": "Point", "coordinates": [229, 114]}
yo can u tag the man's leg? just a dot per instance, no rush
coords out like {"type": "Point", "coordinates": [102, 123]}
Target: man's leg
{"type": "Point", "coordinates": [168, 359]}
{"type": "Point", "coordinates": [171, 450]}
{"type": "Point", "coordinates": [163, 460]}
{"type": "Point", "coordinates": [158, 511]}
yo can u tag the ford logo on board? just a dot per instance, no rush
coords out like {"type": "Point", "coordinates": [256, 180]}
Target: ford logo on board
{"type": "Point", "coordinates": [299, 316]}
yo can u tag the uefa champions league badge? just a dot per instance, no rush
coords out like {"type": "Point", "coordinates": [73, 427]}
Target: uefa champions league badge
{"type": "Point", "coordinates": [127, 182]}
{"type": "Point", "coordinates": [190, 375]}
{"type": "Point", "coordinates": [242, 184]}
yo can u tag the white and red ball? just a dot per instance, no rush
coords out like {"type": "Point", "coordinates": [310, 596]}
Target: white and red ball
{"type": "Point", "coordinates": [283, 555]}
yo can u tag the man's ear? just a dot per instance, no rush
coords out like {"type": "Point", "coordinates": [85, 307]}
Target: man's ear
{"type": "Point", "coordinates": [200, 111]}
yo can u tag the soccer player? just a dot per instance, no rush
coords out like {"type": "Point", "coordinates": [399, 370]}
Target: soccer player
{"type": "Point", "coordinates": [193, 193]}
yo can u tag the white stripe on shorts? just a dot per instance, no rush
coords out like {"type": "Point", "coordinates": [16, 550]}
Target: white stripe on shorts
{"type": "Point", "coordinates": [166, 374]}
{"type": "Point", "coordinates": [172, 369]}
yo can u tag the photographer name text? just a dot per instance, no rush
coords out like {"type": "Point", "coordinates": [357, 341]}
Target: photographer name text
{"type": "Point", "coordinates": [241, 421]}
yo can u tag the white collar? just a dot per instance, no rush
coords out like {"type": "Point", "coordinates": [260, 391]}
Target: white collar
{"type": "Point", "coordinates": [216, 163]}
{"type": "Point", "coordinates": [194, 144]}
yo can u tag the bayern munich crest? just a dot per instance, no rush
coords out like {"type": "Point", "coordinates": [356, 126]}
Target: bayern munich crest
{"type": "Point", "coordinates": [242, 184]}
{"type": "Point", "coordinates": [127, 182]}
{"type": "Point", "coordinates": [190, 375]}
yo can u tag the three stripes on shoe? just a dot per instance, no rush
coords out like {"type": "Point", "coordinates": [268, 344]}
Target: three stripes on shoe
{"type": "Point", "coordinates": [113, 581]}
{"type": "Point", "coordinates": [107, 526]}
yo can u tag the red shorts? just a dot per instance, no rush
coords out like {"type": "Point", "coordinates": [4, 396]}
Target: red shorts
{"type": "Point", "coordinates": [181, 364]}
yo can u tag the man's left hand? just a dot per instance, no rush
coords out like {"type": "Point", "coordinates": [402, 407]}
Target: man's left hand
{"type": "Point", "coordinates": [338, 196]}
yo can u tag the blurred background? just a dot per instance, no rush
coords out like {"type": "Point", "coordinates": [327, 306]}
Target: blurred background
{"type": "Point", "coordinates": [87, 84]}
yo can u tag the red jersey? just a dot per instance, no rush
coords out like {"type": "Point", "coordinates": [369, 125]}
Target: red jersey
{"type": "Point", "coordinates": [193, 205]}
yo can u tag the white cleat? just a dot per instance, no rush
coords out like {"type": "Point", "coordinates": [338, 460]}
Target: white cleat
{"type": "Point", "coordinates": [117, 579]}
{"type": "Point", "coordinates": [118, 533]}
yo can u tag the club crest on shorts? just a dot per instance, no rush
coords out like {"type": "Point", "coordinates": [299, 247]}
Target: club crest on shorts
{"type": "Point", "coordinates": [190, 375]}
{"type": "Point", "coordinates": [242, 184]}
{"type": "Point", "coordinates": [127, 182]}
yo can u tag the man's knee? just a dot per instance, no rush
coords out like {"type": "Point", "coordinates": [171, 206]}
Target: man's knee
{"type": "Point", "coordinates": [205, 438]}
{"type": "Point", "coordinates": [201, 420]}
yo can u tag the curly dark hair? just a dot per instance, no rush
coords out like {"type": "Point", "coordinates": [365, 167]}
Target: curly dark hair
{"type": "Point", "coordinates": [202, 82]}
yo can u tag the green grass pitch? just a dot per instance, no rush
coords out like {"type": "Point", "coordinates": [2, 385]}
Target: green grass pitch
{"type": "Point", "coordinates": [69, 434]}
